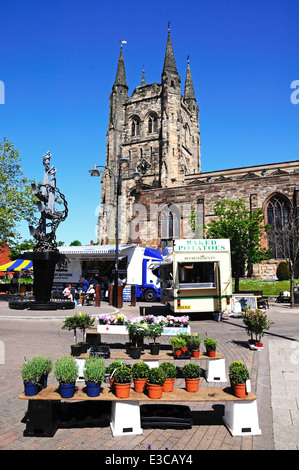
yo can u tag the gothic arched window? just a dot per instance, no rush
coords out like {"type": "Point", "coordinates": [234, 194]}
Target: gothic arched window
{"type": "Point", "coordinates": [278, 216]}
{"type": "Point", "coordinates": [152, 124]}
{"type": "Point", "coordinates": [135, 126]}
{"type": "Point", "coordinates": [170, 225]}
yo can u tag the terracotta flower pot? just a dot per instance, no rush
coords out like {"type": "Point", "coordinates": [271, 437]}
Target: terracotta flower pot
{"type": "Point", "coordinates": [168, 385]}
{"type": "Point", "coordinates": [139, 385]}
{"type": "Point", "coordinates": [192, 385]}
{"type": "Point", "coordinates": [195, 353]}
{"type": "Point", "coordinates": [211, 353]}
{"type": "Point", "coordinates": [155, 391]}
{"type": "Point", "coordinates": [177, 352]}
{"type": "Point", "coordinates": [240, 390]}
{"type": "Point", "coordinates": [122, 390]}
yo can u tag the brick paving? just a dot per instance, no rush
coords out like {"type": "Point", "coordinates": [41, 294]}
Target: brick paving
{"type": "Point", "coordinates": [25, 333]}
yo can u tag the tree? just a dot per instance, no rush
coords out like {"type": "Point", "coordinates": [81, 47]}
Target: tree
{"type": "Point", "coordinates": [244, 229]}
{"type": "Point", "coordinates": [285, 237]}
{"type": "Point", "coordinates": [76, 243]}
{"type": "Point", "coordinates": [17, 201]}
{"type": "Point", "coordinates": [25, 245]}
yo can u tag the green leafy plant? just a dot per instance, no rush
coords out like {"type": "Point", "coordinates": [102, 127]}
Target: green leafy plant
{"type": "Point", "coordinates": [256, 322]}
{"type": "Point", "coordinates": [85, 321]}
{"type": "Point", "coordinates": [193, 342]}
{"type": "Point", "coordinates": [136, 330]}
{"type": "Point", "coordinates": [238, 372]}
{"type": "Point", "coordinates": [71, 323]}
{"type": "Point", "coordinates": [66, 370]}
{"type": "Point", "coordinates": [283, 271]}
{"type": "Point", "coordinates": [169, 369]}
{"type": "Point", "coordinates": [191, 371]}
{"type": "Point", "coordinates": [123, 375]}
{"type": "Point", "coordinates": [177, 343]}
{"type": "Point", "coordinates": [157, 376]}
{"type": "Point", "coordinates": [94, 369]}
{"type": "Point", "coordinates": [31, 371]}
{"type": "Point", "coordinates": [113, 366]}
{"type": "Point", "coordinates": [153, 331]}
{"type": "Point", "coordinates": [210, 344]}
{"type": "Point", "coordinates": [140, 370]}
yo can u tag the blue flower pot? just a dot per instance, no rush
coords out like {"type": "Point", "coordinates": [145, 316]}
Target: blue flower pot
{"type": "Point", "coordinates": [67, 390]}
{"type": "Point", "coordinates": [30, 389]}
{"type": "Point", "coordinates": [93, 389]}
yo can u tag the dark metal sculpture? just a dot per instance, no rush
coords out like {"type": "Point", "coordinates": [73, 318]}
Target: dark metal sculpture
{"type": "Point", "coordinates": [48, 194]}
{"type": "Point", "coordinates": [45, 254]}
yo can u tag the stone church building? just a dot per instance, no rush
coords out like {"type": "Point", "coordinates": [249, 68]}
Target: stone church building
{"type": "Point", "coordinates": [157, 130]}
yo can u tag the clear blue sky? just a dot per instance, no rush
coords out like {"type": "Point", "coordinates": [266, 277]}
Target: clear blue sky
{"type": "Point", "coordinates": [58, 62]}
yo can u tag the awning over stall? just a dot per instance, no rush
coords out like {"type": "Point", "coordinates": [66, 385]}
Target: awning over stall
{"type": "Point", "coordinates": [17, 265]}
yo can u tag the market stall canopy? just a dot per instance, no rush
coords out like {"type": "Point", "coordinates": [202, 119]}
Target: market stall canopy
{"type": "Point", "coordinates": [17, 265]}
{"type": "Point", "coordinates": [95, 251]}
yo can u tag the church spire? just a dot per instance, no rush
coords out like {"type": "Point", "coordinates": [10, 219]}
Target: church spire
{"type": "Point", "coordinates": [189, 90]}
{"type": "Point", "coordinates": [120, 78]}
{"type": "Point", "coordinates": [143, 82]}
{"type": "Point", "coordinates": [169, 60]}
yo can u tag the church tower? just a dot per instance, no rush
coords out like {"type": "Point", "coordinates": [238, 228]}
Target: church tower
{"type": "Point", "coordinates": [157, 129]}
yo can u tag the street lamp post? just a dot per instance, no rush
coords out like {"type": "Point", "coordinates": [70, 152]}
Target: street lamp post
{"type": "Point", "coordinates": [122, 169]}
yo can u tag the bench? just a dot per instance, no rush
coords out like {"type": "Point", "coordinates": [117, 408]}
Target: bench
{"type": "Point", "coordinates": [240, 414]}
{"type": "Point", "coordinates": [215, 371]}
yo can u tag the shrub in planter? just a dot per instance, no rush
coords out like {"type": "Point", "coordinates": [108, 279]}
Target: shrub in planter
{"type": "Point", "coordinates": [94, 374]}
{"type": "Point", "coordinates": [191, 372]}
{"type": "Point", "coordinates": [171, 373]}
{"type": "Point", "coordinates": [156, 380]}
{"type": "Point", "coordinates": [177, 344]}
{"type": "Point", "coordinates": [72, 323]}
{"type": "Point", "coordinates": [122, 381]}
{"type": "Point", "coordinates": [45, 364]}
{"type": "Point", "coordinates": [211, 345]}
{"type": "Point", "coordinates": [31, 374]}
{"type": "Point", "coordinates": [193, 343]}
{"type": "Point", "coordinates": [85, 321]}
{"type": "Point", "coordinates": [111, 369]}
{"type": "Point", "coordinates": [66, 373]}
{"type": "Point", "coordinates": [154, 331]}
{"type": "Point", "coordinates": [140, 373]}
{"type": "Point", "coordinates": [238, 375]}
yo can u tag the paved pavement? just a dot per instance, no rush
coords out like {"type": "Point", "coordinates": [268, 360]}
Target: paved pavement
{"type": "Point", "coordinates": [274, 379]}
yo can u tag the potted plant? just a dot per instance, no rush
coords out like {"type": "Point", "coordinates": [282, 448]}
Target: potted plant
{"type": "Point", "coordinates": [153, 331]}
{"type": "Point", "coordinates": [191, 372]}
{"type": "Point", "coordinates": [136, 329]}
{"type": "Point", "coordinates": [238, 375]}
{"type": "Point", "coordinates": [31, 374]}
{"type": "Point", "coordinates": [94, 374]}
{"type": "Point", "coordinates": [66, 373]}
{"type": "Point", "coordinates": [140, 372]}
{"type": "Point", "coordinates": [45, 364]}
{"type": "Point", "coordinates": [256, 322]}
{"type": "Point", "coordinates": [122, 381]}
{"type": "Point", "coordinates": [177, 344]}
{"type": "Point", "coordinates": [185, 337]}
{"type": "Point", "coordinates": [210, 345]}
{"type": "Point", "coordinates": [111, 369]}
{"type": "Point", "coordinates": [171, 373]}
{"type": "Point", "coordinates": [193, 343]}
{"type": "Point", "coordinates": [85, 321]}
{"type": "Point", "coordinates": [72, 323]}
{"type": "Point", "coordinates": [156, 379]}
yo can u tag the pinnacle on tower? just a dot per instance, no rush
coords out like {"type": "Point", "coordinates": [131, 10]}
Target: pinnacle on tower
{"type": "Point", "coordinates": [169, 60]}
{"type": "Point", "coordinates": [120, 78]}
{"type": "Point", "coordinates": [143, 82]}
{"type": "Point", "coordinates": [189, 90]}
